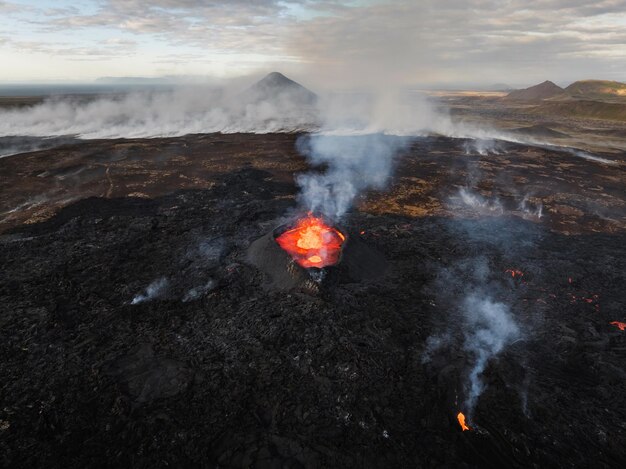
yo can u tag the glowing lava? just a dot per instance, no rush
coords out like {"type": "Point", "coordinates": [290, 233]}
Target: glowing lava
{"type": "Point", "coordinates": [514, 272]}
{"type": "Point", "coordinates": [461, 418]}
{"type": "Point", "coordinates": [312, 243]}
{"type": "Point", "coordinates": [620, 325]}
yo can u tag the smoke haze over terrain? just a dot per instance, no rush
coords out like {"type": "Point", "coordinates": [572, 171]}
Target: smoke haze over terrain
{"type": "Point", "coordinates": [196, 109]}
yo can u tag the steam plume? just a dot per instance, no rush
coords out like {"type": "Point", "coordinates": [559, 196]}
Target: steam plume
{"type": "Point", "coordinates": [197, 292]}
{"type": "Point", "coordinates": [489, 328]}
{"type": "Point", "coordinates": [478, 202]}
{"type": "Point", "coordinates": [200, 109]}
{"type": "Point", "coordinates": [156, 289]}
{"type": "Point", "coordinates": [530, 211]}
{"type": "Point", "coordinates": [354, 163]}
{"type": "Point", "coordinates": [180, 111]}
{"type": "Point", "coordinates": [482, 146]}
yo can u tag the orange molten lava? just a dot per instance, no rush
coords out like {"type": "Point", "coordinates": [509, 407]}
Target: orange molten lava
{"type": "Point", "coordinates": [312, 243]}
{"type": "Point", "coordinates": [620, 325]}
{"type": "Point", "coordinates": [461, 418]}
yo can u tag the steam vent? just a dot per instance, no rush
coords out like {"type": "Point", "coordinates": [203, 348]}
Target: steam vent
{"type": "Point", "coordinates": [309, 250]}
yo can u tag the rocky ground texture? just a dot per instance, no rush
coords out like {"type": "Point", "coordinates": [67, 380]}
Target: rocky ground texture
{"type": "Point", "coordinates": [134, 331]}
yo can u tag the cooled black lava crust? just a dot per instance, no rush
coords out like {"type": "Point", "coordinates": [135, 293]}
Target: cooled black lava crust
{"type": "Point", "coordinates": [239, 375]}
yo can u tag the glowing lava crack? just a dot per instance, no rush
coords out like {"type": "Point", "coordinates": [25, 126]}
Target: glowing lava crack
{"type": "Point", "coordinates": [461, 418]}
{"type": "Point", "coordinates": [312, 243]}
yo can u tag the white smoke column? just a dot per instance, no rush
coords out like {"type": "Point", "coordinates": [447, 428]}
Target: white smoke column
{"type": "Point", "coordinates": [489, 328]}
{"type": "Point", "coordinates": [361, 135]}
{"type": "Point", "coordinates": [354, 163]}
{"type": "Point", "coordinates": [478, 202]}
{"type": "Point", "coordinates": [156, 289]}
{"type": "Point", "coordinates": [197, 292]}
{"type": "Point", "coordinates": [481, 146]}
{"type": "Point", "coordinates": [528, 211]}
{"type": "Point", "coordinates": [385, 111]}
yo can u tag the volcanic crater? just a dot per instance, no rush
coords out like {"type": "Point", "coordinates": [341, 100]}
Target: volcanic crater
{"type": "Point", "coordinates": [307, 254]}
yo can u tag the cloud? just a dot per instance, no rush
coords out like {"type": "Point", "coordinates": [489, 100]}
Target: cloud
{"type": "Point", "coordinates": [476, 40]}
{"type": "Point", "coordinates": [246, 26]}
{"type": "Point", "coordinates": [9, 7]}
{"type": "Point", "coordinates": [369, 43]}
{"type": "Point", "coordinates": [107, 48]}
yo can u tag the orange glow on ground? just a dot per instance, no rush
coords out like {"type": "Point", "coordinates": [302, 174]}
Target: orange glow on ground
{"type": "Point", "coordinates": [312, 243]}
{"type": "Point", "coordinates": [461, 418]}
{"type": "Point", "coordinates": [620, 325]}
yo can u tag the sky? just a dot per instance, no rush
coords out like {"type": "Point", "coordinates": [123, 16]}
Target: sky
{"type": "Point", "coordinates": [321, 43]}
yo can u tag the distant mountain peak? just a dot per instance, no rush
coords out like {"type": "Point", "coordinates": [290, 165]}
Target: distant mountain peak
{"type": "Point", "coordinates": [277, 80]}
{"type": "Point", "coordinates": [539, 92]}
{"type": "Point", "coordinates": [275, 85]}
{"type": "Point", "coordinates": [277, 76]}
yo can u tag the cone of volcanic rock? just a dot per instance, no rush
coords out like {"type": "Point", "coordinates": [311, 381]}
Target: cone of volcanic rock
{"type": "Point", "coordinates": [544, 90]}
{"type": "Point", "coordinates": [277, 87]}
{"type": "Point", "coordinates": [357, 262]}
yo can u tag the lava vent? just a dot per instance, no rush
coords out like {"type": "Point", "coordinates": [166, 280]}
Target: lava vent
{"type": "Point", "coordinates": [311, 242]}
{"type": "Point", "coordinates": [310, 249]}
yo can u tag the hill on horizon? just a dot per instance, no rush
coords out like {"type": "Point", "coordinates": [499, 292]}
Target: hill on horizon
{"type": "Point", "coordinates": [596, 89]}
{"type": "Point", "coordinates": [539, 92]}
{"type": "Point", "coordinates": [587, 90]}
{"type": "Point", "coordinates": [589, 99]}
{"type": "Point", "coordinates": [276, 86]}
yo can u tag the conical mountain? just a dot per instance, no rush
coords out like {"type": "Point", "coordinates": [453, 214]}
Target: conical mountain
{"type": "Point", "coordinates": [544, 90]}
{"type": "Point", "coordinates": [276, 86]}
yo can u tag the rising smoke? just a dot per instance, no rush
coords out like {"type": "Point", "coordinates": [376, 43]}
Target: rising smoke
{"type": "Point", "coordinates": [195, 109]}
{"type": "Point", "coordinates": [354, 163]}
{"type": "Point", "coordinates": [477, 299]}
{"type": "Point", "coordinates": [530, 210]}
{"type": "Point", "coordinates": [526, 207]}
{"type": "Point", "coordinates": [479, 302]}
{"type": "Point", "coordinates": [518, 201]}
{"type": "Point", "coordinates": [180, 111]}
{"type": "Point", "coordinates": [358, 139]}
{"type": "Point", "coordinates": [489, 328]}
{"type": "Point", "coordinates": [480, 203]}
{"type": "Point", "coordinates": [482, 146]}
{"type": "Point", "coordinates": [156, 290]}
{"type": "Point", "coordinates": [199, 291]}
